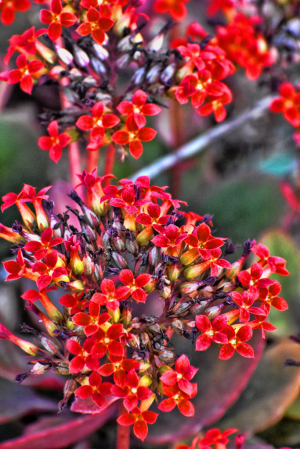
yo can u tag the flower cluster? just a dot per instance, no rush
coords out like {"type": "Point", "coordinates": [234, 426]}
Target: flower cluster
{"type": "Point", "coordinates": [129, 249]}
{"type": "Point", "coordinates": [90, 41]}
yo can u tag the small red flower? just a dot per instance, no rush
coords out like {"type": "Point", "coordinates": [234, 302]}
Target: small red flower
{"type": "Point", "coordinates": [57, 18]}
{"type": "Point", "coordinates": [175, 8]}
{"type": "Point", "coordinates": [236, 340]}
{"type": "Point", "coordinates": [135, 286]}
{"type": "Point", "coordinates": [214, 436]}
{"type": "Point", "coordinates": [8, 8]}
{"type": "Point", "coordinates": [55, 142]}
{"type": "Point", "coordinates": [97, 22]}
{"type": "Point", "coordinates": [182, 375]}
{"type": "Point", "coordinates": [216, 104]}
{"type": "Point", "coordinates": [110, 296]}
{"type": "Point", "coordinates": [170, 237]}
{"type": "Point", "coordinates": [133, 135]}
{"type": "Point", "coordinates": [212, 331]}
{"type": "Point", "coordinates": [245, 302]}
{"type": "Point", "coordinates": [83, 356]}
{"type": "Point", "coordinates": [179, 398]}
{"type": "Point", "coordinates": [202, 242]}
{"type": "Point", "coordinates": [132, 392]}
{"type": "Point", "coordinates": [41, 249]}
{"type": "Point", "coordinates": [119, 370]}
{"type": "Point", "coordinates": [288, 103]}
{"type": "Point", "coordinates": [23, 74]}
{"type": "Point", "coordinates": [138, 108]}
{"type": "Point", "coordinates": [95, 389]}
{"type": "Point", "coordinates": [97, 124]}
{"type": "Point", "coordinates": [140, 420]}
{"type": "Point", "coordinates": [24, 43]}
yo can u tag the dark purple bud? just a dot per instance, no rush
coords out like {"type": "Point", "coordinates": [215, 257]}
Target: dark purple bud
{"type": "Point", "coordinates": [247, 247]}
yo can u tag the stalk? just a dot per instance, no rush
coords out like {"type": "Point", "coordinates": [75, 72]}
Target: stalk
{"type": "Point", "coordinates": [123, 432]}
{"type": "Point", "coordinates": [109, 163]}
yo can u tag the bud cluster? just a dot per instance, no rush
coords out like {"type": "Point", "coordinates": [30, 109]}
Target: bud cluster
{"type": "Point", "coordinates": [132, 246]}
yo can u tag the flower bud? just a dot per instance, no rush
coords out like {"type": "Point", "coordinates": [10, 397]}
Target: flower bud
{"type": "Point", "coordinates": [88, 265]}
{"type": "Point", "coordinates": [178, 327]}
{"type": "Point", "coordinates": [123, 61]}
{"type": "Point", "coordinates": [168, 73]}
{"type": "Point", "coordinates": [156, 43]}
{"type": "Point", "coordinates": [144, 339]}
{"type": "Point", "coordinates": [167, 357]}
{"type": "Point", "coordinates": [119, 243]}
{"type": "Point", "coordinates": [100, 51]}
{"type": "Point", "coordinates": [181, 309]}
{"type": "Point", "coordinates": [131, 246]}
{"type": "Point", "coordinates": [198, 309]}
{"type": "Point", "coordinates": [98, 66]}
{"type": "Point", "coordinates": [190, 288]}
{"type": "Point", "coordinates": [214, 311]}
{"type": "Point", "coordinates": [134, 342]}
{"type": "Point", "coordinates": [81, 58]}
{"type": "Point", "coordinates": [119, 260]}
{"type": "Point", "coordinates": [50, 346]}
{"type": "Point", "coordinates": [166, 292]}
{"type": "Point", "coordinates": [195, 270]}
{"type": "Point", "coordinates": [65, 56]}
{"type": "Point", "coordinates": [139, 76]}
{"type": "Point", "coordinates": [125, 44]}
{"type": "Point", "coordinates": [153, 74]}
{"type": "Point", "coordinates": [76, 286]}
{"type": "Point", "coordinates": [154, 256]}
{"type": "Point", "coordinates": [62, 368]}
{"type": "Point", "coordinates": [39, 368]}
{"type": "Point", "coordinates": [173, 272]}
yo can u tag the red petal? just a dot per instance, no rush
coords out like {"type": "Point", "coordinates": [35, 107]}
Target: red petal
{"type": "Point", "coordinates": [140, 429]}
{"type": "Point", "coordinates": [135, 148]}
{"type": "Point", "coordinates": [146, 134]}
{"type": "Point", "coordinates": [167, 405]}
{"type": "Point", "coordinates": [54, 30]}
{"type": "Point", "coordinates": [186, 407]}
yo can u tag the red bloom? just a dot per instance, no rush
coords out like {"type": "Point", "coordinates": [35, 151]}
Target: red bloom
{"type": "Point", "coordinates": [55, 142]}
{"type": "Point", "coordinates": [91, 321]}
{"type": "Point", "coordinates": [170, 237]}
{"type": "Point", "coordinates": [212, 331]}
{"type": "Point", "coordinates": [110, 296]}
{"type": "Point", "coordinates": [56, 18]}
{"type": "Point", "coordinates": [133, 135]}
{"type": "Point", "coordinates": [23, 74]}
{"type": "Point", "coordinates": [83, 356]}
{"type": "Point", "coordinates": [288, 103]}
{"type": "Point", "coordinates": [270, 297]}
{"type": "Point", "coordinates": [202, 242]}
{"type": "Point", "coordinates": [275, 264]}
{"type": "Point", "coordinates": [261, 323]}
{"type": "Point", "coordinates": [182, 375]}
{"type": "Point", "coordinates": [97, 22]}
{"type": "Point", "coordinates": [138, 108]}
{"type": "Point", "coordinates": [8, 8]}
{"type": "Point", "coordinates": [245, 302]}
{"type": "Point", "coordinates": [119, 369]}
{"type": "Point", "coordinates": [132, 392]}
{"type": "Point", "coordinates": [96, 389]}
{"type": "Point", "coordinates": [216, 104]}
{"type": "Point", "coordinates": [24, 43]}
{"type": "Point", "coordinates": [236, 340]}
{"type": "Point", "coordinates": [107, 337]}
{"type": "Point", "coordinates": [97, 124]}
{"type": "Point", "coordinates": [127, 201]}
{"type": "Point", "coordinates": [42, 248]}
{"type": "Point", "coordinates": [134, 286]}
{"type": "Point", "coordinates": [214, 436]}
{"type": "Point", "coordinates": [16, 268]}
{"type": "Point", "coordinates": [179, 398]}
{"type": "Point", "coordinates": [153, 216]}
{"type": "Point", "coordinates": [175, 8]}
{"type": "Point", "coordinates": [140, 420]}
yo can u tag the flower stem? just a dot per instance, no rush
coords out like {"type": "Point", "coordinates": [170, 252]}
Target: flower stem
{"type": "Point", "coordinates": [123, 432]}
{"type": "Point", "coordinates": [109, 163]}
{"type": "Point", "coordinates": [74, 162]}
{"type": "Point", "coordinates": [92, 160]}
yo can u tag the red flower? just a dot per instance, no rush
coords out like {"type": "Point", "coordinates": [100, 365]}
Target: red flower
{"type": "Point", "coordinates": [138, 108]}
{"type": "Point", "coordinates": [245, 302]}
{"type": "Point", "coordinates": [182, 374]}
{"type": "Point", "coordinates": [133, 391]}
{"type": "Point", "coordinates": [214, 436]}
{"type": "Point", "coordinates": [236, 340]}
{"type": "Point", "coordinates": [261, 323]}
{"type": "Point", "coordinates": [16, 268]}
{"type": "Point", "coordinates": [135, 285]}
{"type": "Point", "coordinates": [55, 142]}
{"type": "Point", "coordinates": [212, 331]}
{"type": "Point", "coordinates": [95, 389]}
{"type": "Point", "coordinates": [83, 356]}
{"type": "Point", "coordinates": [23, 74]}
{"type": "Point", "coordinates": [140, 420]}
{"type": "Point", "coordinates": [216, 104]}
{"type": "Point", "coordinates": [133, 135]}
{"type": "Point", "coordinates": [179, 398]}
{"type": "Point", "coordinates": [170, 237]}
{"type": "Point", "coordinates": [202, 242]}
{"type": "Point", "coordinates": [270, 297]}
{"type": "Point", "coordinates": [127, 201]}
{"type": "Point", "coordinates": [97, 22]}
{"type": "Point", "coordinates": [56, 18]}
{"type": "Point", "coordinates": [24, 43]}
{"type": "Point", "coordinates": [97, 123]}
{"type": "Point", "coordinates": [110, 296]}
{"type": "Point", "coordinates": [175, 8]}
{"type": "Point", "coordinates": [119, 370]}
{"type": "Point", "coordinates": [288, 103]}
{"type": "Point", "coordinates": [276, 264]}
{"type": "Point", "coordinates": [8, 8]}
{"type": "Point", "coordinates": [152, 216]}
{"type": "Point", "coordinates": [107, 337]}
{"type": "Point", "coordinates": [91, 321]}
{"type": "Point", "coordinates": [41, 249]}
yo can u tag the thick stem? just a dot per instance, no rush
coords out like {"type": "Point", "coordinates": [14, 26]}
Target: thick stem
{"type": "Point", "coordinates": [75, 163]}
{"type": "Point", "coordinates": [92, 160]}
{"type": "Point", "coordinates": [123, 432]}
{"type": "Point", "coordinates": [201, 142]}
{"type": "Point", "coordinates": [109, 163]}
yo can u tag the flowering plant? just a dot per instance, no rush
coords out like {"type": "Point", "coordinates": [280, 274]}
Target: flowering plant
{"type": "Point", "coordinates": [122, 246]}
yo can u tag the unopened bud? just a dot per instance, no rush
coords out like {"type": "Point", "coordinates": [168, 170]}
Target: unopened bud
{"type": "Point", "coordinates": [214, 311]}
{"type": "Point", "coordinates": [50, 346]}
{"type": "Point", "coordinates": [178, 327]}
{"type": "Point", "coordinates": [190, 288]}
{"type": "Point", "coordinates": [167, 357]}
{"type": "Point", "coordinates": [106, 240]}
{"type": "Point", "coordinates": [64, 55]}
{"type": "Point", "coordinates": [153, 74]}
{"type": "Point", "coordinates": [197, 309]}
{"type": "Point", "coordinates": [123, 61]}
{"type": "Point", "coordinates": [98, 66]}
{"type": "Point", "coordinates": [81, 58]}
{"type": "Point", "coordinates": [139, 76]}
{"type": "Point", "coordinates": [76, 286]}
{"type": "Point", "coordinates": [62, 368]}
{"type": "Point", "coordinates": [100, 51]}
{"type": "Point", "coordinates": [144, 339]}
{"type": "Point", "coordinates": [119, 260]}
{"type": "Point", "coordinates": [165, 292]}
{"type": "Point", "coordinates": [181, 309]}
{"type": "Point", "coordinates": [168, 74]}
{"type": "Point", "coordinates": [39, 369]}
{"type": "Point", "coordinates": [131, 246]}
{"type": "Point", "coordinates": [154, 256]}
{"type": "Point", "coordinates": [156, 43]}
{"type": "Point", "coordinates": [134, 342]}
{"type": "Point", "coordinates": [173, 272]}
{"type": "Point", "coordinates": [119, 243]}
{"type": "Point", "coordinates": [125, 44]}
{"type": "Point", "coordinates": [88, 265]}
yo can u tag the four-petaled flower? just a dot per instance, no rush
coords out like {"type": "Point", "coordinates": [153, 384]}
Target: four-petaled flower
{"type": "Point", "coordinates": [182, 375]}
{"type": "Point", "coordinates": [175, 8]}
{"type": "Point", "coordinates": [288, 103]}
{"type": "Point", "coordinates": [97, 22]}
{"type": "Point", "coordinates": [55, 142]}
{"type": "Point", "coordinates": [23, 74]}
{"type": "Point", "coordinates": [212, 331]}
{"type": "Point", "coordinates": [138, 108]}
{"type": "Point", "coordinates": [57, 18]}
{"type": "Point", "coordinates": [135, 286]}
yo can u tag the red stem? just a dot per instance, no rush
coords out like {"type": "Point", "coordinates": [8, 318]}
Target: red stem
{"type": "Point", "coordinates": [123, 432]}
{"type": "Point", "coordinates": [109, 163]}
{"type": "Point", "coordinates": [74, 162]}
{"type": "Point", "coordinates": [92, 160]}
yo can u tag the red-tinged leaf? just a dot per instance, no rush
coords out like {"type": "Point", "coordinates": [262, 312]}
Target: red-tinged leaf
{"type": "Point", "coordinates": [17, 401]}
{"type": "Point", "coordinates": [210, 403]}
{"type": "Point", "coordinates": [65, 434]}
{"type": "Point", "coordinates": [270, 391]}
